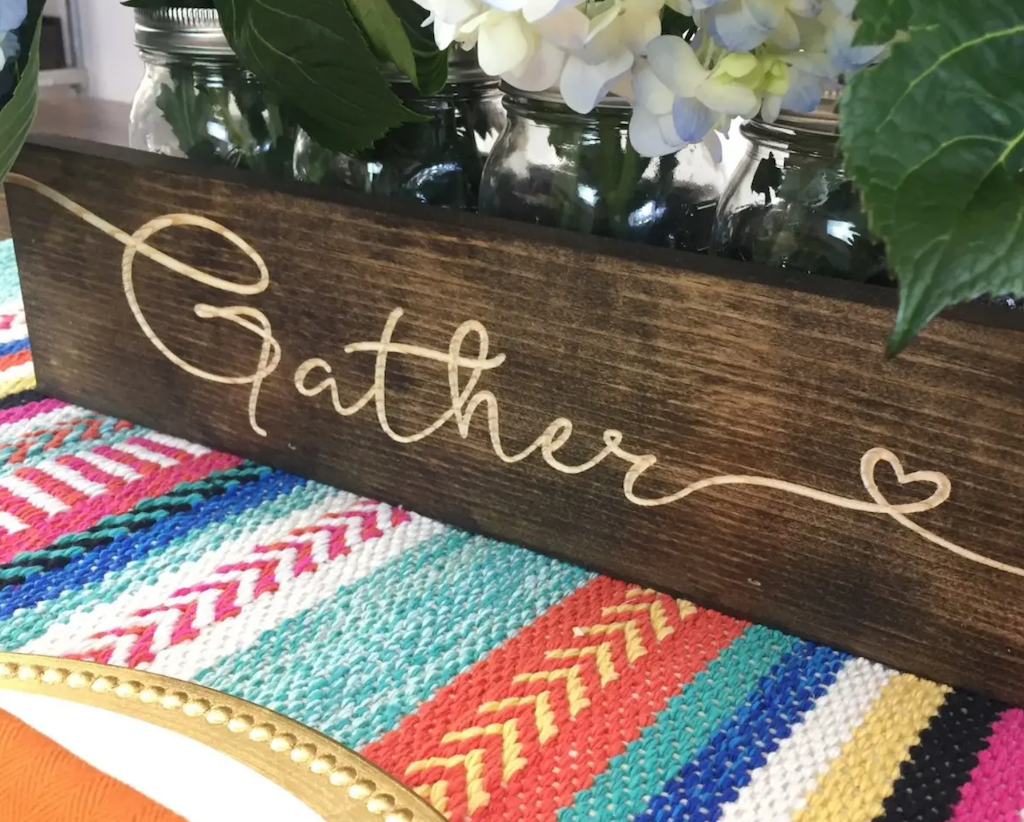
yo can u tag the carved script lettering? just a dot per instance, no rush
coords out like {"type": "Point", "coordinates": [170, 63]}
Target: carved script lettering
{"type": "Point", "coordinates": [465, 372]}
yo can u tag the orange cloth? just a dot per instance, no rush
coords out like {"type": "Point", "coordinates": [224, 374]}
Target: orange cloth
{"type": "Point", "coordinates": [40, 781]}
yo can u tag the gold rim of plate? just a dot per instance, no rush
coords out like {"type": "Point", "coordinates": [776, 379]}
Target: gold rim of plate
{"type": "Point", "coordinates": [333, 780]}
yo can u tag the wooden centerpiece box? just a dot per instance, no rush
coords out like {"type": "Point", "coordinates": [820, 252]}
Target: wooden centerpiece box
{"type": "Point", "coordinates": [720, 431]}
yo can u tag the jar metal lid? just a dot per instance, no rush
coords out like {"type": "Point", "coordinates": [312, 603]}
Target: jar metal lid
{"type": "Point", "coordinates": [185, 31]}
{"type": "Point", "coordinates": [462, 68]}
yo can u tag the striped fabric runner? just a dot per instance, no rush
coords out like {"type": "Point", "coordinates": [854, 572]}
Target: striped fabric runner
{"type": "Point", "coordinates": [500, 684]}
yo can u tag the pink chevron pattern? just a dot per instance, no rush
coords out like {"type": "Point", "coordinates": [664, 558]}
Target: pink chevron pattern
{"type": "Point", "coordinates": [235, 586]}
{"type": "Point", "coordinates": [72, 491]}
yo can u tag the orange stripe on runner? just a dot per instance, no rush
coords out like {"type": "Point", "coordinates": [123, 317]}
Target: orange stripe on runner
{"type": "Point", "coordinates": [520, 733]}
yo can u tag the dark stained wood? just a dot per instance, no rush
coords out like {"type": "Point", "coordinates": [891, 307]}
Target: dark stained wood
{"type": "Point", "coordinates": [102, 121]}
{"type": "Point", "coordinates": [715, 368]}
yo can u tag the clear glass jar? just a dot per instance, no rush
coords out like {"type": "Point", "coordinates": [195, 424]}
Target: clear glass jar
{"type": "Point", "coordinates": [438, 162]}
{"type": "Point", "coordinates": [789, 204]}
{"type": "Point", "coordinates": [196, 100]}
{"type": "Point", "coordinates": [557, 168]}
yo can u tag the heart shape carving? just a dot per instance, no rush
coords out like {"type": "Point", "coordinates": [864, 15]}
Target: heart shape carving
{"type": "Point", "coordinates": [868, 470]}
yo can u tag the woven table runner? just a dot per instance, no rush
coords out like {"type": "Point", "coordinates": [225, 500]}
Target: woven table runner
{"type": "Point", "coordinates": [500, 684]}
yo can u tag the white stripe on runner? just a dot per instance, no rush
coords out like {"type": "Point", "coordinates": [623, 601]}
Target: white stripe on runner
{"type": "Point", "coordinates": [11, 523]}
{"type": "Point", "coordinates": [780, 788]}
{"type": "Point", "coordinates": [144, 454]}
{"type": "Point", "coordinates": [180, 444]}
{"type": "Point", "coordinates": [108, 466]}
{"type": "Point", "coordinates": [33, 494]}
{"type": "Point", "coordinates": [71, 477]}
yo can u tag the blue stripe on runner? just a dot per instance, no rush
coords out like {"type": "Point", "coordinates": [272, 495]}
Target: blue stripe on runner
{"type": "Point", "coordinates": [725, 763]}
{"type": "Point", "coordinates": [96, 564]}
{"type": "Point", "coordinates": [681, 729]}
{"type": "Point", "coordinates": [389, 641]}
{"type": "Point", "coordinates": [13, 346]}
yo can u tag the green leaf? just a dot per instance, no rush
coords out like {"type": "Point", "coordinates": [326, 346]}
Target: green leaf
{"type": "Point", "coordinates": [312, 55]}
{"type": "Point", "coordinates": [386, 34]}
{"type": "Point", "coordinates": [933, 138]}
{"type": "Point", "coordinates": [431, 63]}
{"type": "Point", "coordinates": [882, 20]}
{"type": "Point", "coordinates": [17, 115]}
{"type": "Point", "coordinates": [188, 111]}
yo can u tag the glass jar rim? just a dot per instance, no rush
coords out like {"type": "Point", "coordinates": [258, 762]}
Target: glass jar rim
{"type": "Point", "coordinates": [181, 31]}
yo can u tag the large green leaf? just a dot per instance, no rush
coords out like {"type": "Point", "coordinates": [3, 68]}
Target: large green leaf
{"type": "Point", "coordinates": [882, 20]}
{"type": "Point", "coordinates": [431, 64]}
{"type": "Point", "coordinates": [312, 53]}
{"type": "Point", "coordinates": [934, 140]}
{"type": "Point", "coordinates": [386, 34]}
{"type": "Point", "coordinates": [17, 115]}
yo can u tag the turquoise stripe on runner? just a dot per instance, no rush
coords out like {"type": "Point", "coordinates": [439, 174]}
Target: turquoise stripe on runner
{"type": "Point", "coordinates": [201, 537]}
{"type": "Point", "coordinates": [389, 641]}
{"type": "Point", "coordinates": [680, 730]}
{"type": "Point", "coordinates": [9, 286]}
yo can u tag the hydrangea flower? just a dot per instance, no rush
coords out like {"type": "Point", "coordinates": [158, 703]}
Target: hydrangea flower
{"type": "Point", "coordinates": [12, 15]}
{"type": "Point", "coordinates": [750, 58]}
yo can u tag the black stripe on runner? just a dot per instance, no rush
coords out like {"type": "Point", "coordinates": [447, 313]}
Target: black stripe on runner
{"type": "Point", "coordinates": [928, 787]}
{"type": "Point", "coordinates": [21, 398]}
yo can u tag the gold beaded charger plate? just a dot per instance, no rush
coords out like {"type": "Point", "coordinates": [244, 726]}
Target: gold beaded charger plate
{"type": "Point", "coordinates": [197, 751]}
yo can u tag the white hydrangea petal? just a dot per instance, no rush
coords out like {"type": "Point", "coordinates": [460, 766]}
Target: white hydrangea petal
{"type": "Point", "coordinates": [647, 136]}
{"type": "Point", "coordinates": [817, 63]}
{"type": "Point", "coordinates": [566, 29]}
{"type": "Point", "coordinates": [732, 99]}
{"type": "Point", "coordinates": [732, 25]}
{"type": "Point", "coordinates": [846, 7]}
{"type": "Point", "coordinates": [804, 8]}
{"type": "Point", "coordinates": [504, 46]}
{"type": "Point", "coordinates": [503, 5]}
{"type": "Point", "coordinates": [639, 30]}
{"type": "Point", "coordinates": [846, 56]}
{"type": "Point", "coordinates": [650, 92]}
{"type": "Point", "coordinates": [623, 87]}
{"type": "Point", "coordinates": [786, 36]}
{"type": "Point", "coordinates": [701, 5]}
{"type": "Point", "coordinates": [458, 12]}
{"type": "Point", "coordinates": [540, 72]}
{"type": "Point", "coordinates": [534, 10]}
{"type": "Point", "coordinates": [713, 143]}
{"type": "Point", "coordinates": [804, 93]}
{"type": "Point", "coordinates": [681, 6]}
{"type": "Point", "coordinates": [692, 120]}
{"type": "Point", "coordinates": [444, 34]}
{"type": "Point", "coordinates": [766, 13]}
{"type": "Point", "coordinates": [583, 85]}
{"type": "Point", "coordinates": [12, 14]}
{"type": "Point", "coordinates": [771, 108]}
{"type": "Point", "coordinates": [676, 64]}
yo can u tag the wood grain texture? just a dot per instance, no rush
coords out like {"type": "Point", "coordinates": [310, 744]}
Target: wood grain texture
{"type": "Point", "coordinates": [716, 369]}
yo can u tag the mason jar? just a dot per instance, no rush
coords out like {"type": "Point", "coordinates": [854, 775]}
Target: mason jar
{"type": "Point", "coordinates": [196, 100]}
{"type": "Point", "coordinates": [554, 167]}
{"type": "Point", "coordinates": [438, 161]}
{"type": "Point", "coordinates": [789, 204]}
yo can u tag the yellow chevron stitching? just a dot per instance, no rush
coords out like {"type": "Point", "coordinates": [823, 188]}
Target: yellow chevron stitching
{"type": "Point", "coordinates": [511, 761]}
{"type": "Point", "coordinates": [686, 609]}
{"type": "Point", "coordinates": [640, 592]}
{"type": "Point", "coordinates": [634, 643]}
{"type": "Point", "coordinates": [659, 621]}
{"type": "Point", "coordinates": [436, 793]}
{"type": "Point", "coordinates": [602, 658]}
{"type": "Point", "coordinates": [473, 762]}
{"type": "Point", "coordinates": [574, 687]}
{"type": "Point", "coordinates": [543, 715]}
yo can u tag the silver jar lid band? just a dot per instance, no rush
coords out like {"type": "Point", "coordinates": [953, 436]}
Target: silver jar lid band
{"type": "Point", "coordinates": [182, 31]}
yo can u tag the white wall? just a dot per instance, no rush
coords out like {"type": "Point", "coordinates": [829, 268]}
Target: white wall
{"type": "Point", "coordinates": [108, 48]}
